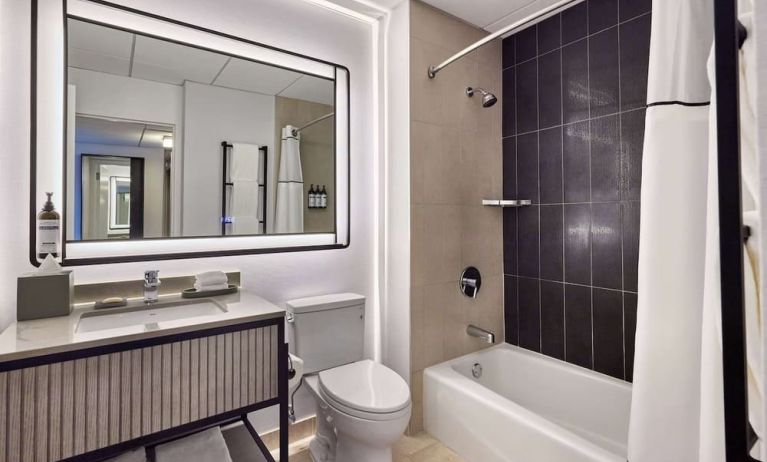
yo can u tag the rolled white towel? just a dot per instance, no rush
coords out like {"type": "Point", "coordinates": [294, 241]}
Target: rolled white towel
{"type": "Point", "coordinates": [208, 445]}
{"type": "Point", "coordinates": [211, 278]}
{"type": "Point", "coordinates": [206, 288]}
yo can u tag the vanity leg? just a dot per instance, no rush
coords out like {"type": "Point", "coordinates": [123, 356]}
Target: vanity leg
{"type": "Point", "coordinates": [282, 382]}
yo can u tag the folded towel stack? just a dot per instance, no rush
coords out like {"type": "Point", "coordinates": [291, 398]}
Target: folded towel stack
{"type": "Point", "coordinates": [212, 280]}
{"type": "Point", "coordinates": [208, 445]}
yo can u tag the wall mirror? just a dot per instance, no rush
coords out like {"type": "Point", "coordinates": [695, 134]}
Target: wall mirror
{"type": "Point", "coordinates": [165, 140]}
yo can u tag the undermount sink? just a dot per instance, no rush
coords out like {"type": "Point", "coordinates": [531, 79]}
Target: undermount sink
{"type": "Point", "coordinates": [147, 315]}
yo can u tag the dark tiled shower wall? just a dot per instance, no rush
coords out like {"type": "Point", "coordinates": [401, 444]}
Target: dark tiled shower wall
{"type": "Point", "coordinates": [574, 91]}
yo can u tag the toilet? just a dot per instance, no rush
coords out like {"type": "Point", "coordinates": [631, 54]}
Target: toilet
{"type": "Point", "coordinates": [363, 407]}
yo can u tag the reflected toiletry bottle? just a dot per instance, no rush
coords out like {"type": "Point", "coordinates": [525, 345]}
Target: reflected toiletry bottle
{"type": "Point", "coordinates": [324, 198]}
{"type": "Point", "coordinates": [312, 197]}
{"type": "Point", "coordinates": [48, 227]}
{"type": "Point", "coordinates": [151, 286]}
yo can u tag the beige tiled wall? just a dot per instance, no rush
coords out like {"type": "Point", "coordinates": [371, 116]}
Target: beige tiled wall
{"type": "Point", "coordinates": [455, 163]}
{"type": "Point", "coordinates": [317, 155]}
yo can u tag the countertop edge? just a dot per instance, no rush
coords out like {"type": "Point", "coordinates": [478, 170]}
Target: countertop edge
{"type": "Point", "coordinates": [127, 338]}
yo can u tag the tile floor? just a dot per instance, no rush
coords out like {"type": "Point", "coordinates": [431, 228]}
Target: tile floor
{"type": "Point", "coordinates": [419, 448]}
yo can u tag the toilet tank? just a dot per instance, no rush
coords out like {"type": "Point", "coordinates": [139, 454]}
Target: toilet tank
{"type": "Point", "coordinates": [327, 331]}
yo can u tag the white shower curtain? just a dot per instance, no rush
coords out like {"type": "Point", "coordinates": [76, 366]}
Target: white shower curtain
{"type": "Point", "coordinates": [677, 407]}
{"type": "Point", "coordinates": [289, 212]}
{"type": "Point", "coordinates": [666, 394]}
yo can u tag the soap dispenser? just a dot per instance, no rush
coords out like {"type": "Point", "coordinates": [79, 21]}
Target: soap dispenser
{"type": "Point", "coordinates": [48, 228]}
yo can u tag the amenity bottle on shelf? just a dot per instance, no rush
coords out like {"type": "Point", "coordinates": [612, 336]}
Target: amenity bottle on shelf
{"type": "Point", "coordinates": [324, 198]}
{"type": "Point", "coordinates": [312, 197]}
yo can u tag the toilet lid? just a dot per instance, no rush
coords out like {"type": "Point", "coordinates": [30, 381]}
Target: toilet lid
{"type": "Point", "coordinates": [366, 386]}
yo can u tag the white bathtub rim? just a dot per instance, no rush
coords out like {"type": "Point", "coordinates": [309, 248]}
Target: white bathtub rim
{"type": "Point", "coordinates": [449, 377]}
{"type": "Point", "coordinates": [579, 370]}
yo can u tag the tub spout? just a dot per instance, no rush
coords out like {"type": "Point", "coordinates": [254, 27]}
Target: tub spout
{"type": "Point", "coordinates": [478, 332]}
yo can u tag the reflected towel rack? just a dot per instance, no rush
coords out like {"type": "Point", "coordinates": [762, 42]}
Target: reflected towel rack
{"type": "Point", "coordinates": [226, 219]}
{"type": "Point", "coordinates": [506, 203]}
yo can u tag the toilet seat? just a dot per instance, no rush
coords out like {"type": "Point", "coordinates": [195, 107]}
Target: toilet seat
{"type": "Point", "coordinates": [366, 390]}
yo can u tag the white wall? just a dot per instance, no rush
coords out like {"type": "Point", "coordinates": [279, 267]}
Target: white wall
{"type": "Point", "coordinates": [396, 273]}
{"type": "Point", "coordinates": [212, 115]}
{"type": "Point", "coordinates": [108, 95]}
{"type": "Point", "coordinates": [14, 157]}
{"type": "Point", "coordinates": [297, 25]}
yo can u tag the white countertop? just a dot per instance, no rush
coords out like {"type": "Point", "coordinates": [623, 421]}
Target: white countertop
{"type": "Point", "coordinates": [27, 339]}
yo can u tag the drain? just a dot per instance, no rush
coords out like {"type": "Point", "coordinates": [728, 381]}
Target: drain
{"type": "Point", "coordinates": [476, 370]}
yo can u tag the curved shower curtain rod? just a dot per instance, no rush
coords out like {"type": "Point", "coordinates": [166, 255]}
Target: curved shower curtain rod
{"type": "Point", "coordinates": [315, 121]}
{"type": "Point", "coordinates": [510, 28]}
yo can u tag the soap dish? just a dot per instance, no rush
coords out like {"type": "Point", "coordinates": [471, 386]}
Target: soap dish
{"type": "Point", "coordinates": [194, 293]}
{"type": "Point", "coordinates": [111, 302]}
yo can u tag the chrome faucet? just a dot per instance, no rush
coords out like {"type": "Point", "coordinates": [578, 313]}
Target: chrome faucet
{"type": "Point", "coordinates": [151, 286]}
{"type": "Point", "coordinates": [486, 335]}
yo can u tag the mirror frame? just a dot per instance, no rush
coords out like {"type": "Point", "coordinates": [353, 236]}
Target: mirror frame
{"type": "Point", "coordinates": [50, 125]}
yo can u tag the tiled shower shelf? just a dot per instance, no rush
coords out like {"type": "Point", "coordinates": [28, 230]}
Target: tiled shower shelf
{"type": "Point", "coordinates": [505, 203]}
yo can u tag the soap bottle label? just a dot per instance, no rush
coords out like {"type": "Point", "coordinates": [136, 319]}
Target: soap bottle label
{"type": "Point", "coordinates": [48, 236]}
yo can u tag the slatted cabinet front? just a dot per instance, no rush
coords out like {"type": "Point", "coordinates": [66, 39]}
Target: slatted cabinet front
{"type": "Point", "coordinates": [63, 409]}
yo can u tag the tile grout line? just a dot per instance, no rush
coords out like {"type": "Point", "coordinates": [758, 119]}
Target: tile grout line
{"type": "Point", "coordinates": [587, 36]}
{"type": "Point", "coordinates": [516, 194]}
{"type": "Point", "coordinates": [574, 284]}
{"type": "Point", "coordinates": [538, 170]}
{"type": "Point", "coordinates": [565, 124]}
{"type": "Point", "coordinates": [622, 188]}
{"type": "Point", "coordinates": [562, 168]}
{"type": "Point", "coordinates": [591, 196]}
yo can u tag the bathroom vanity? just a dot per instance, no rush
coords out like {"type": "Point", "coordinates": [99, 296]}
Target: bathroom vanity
{"type": "Point", "coordinates": [214, 124]}
{"type": "Point", "coordinates": [96, 383]}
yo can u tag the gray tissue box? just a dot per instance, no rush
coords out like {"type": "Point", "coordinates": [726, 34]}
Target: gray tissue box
{"type": "Point", "coordinates": [44, 295]}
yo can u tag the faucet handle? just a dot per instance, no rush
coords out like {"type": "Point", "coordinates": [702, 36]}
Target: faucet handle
{"type": "Point", "coordinates": [470, 282]}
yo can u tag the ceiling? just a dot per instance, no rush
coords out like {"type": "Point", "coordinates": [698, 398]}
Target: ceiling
{"type": "Point", "coordinates": [93, 130]}
{"type": "Point", "coordinates": [491, 15]}
{"type": "Point", "coordinates": [103, 49]}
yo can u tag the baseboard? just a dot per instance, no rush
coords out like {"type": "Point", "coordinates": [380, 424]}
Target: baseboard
{"type": "Point", "coordinates": [298, 431]}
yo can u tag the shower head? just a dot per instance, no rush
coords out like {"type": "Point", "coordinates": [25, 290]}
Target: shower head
{"type": "Point", "coordinates": [488, 99]}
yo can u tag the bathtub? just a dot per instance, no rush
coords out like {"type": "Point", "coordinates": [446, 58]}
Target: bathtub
{"type": "Point", "coordinates": [526, 407]}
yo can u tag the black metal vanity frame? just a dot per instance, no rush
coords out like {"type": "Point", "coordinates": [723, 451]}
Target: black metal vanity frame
{"type": "Point", "coordinates": [171, 256]}
{"type": "Point", "coordinates": [226, 418]}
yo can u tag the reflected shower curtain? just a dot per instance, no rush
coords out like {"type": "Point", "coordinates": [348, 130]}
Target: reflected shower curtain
{"type": "Point", "coordinates": [665, 406]}
{"type": "Point", "coordinates": [289, 212]}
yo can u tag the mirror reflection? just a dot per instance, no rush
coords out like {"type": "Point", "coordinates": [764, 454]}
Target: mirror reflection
{"type": "Point", "coordinates": [170, 140]}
